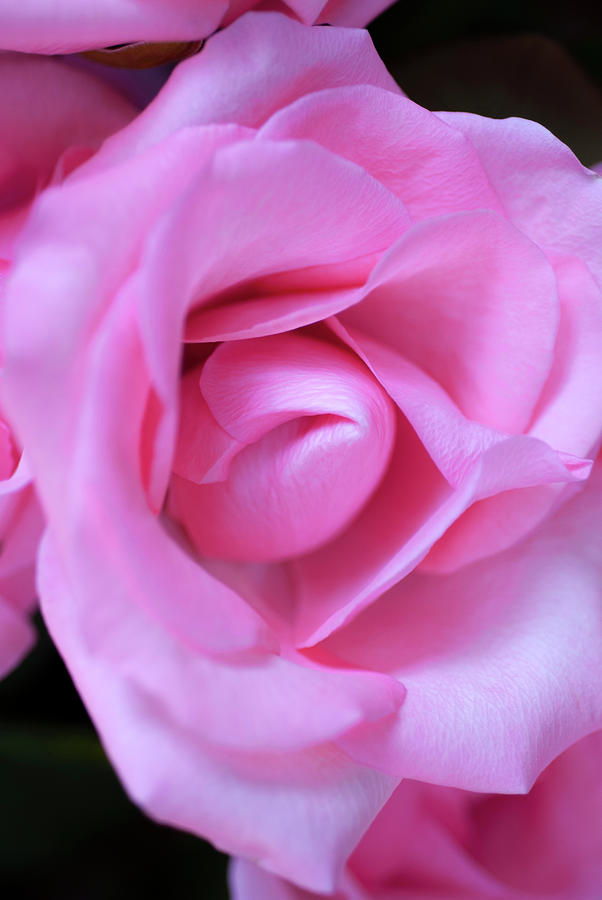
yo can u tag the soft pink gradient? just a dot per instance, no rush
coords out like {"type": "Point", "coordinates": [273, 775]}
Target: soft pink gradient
{"type": "Point", "coordinates": [433, 843]}
{"type": "Point", "coordinates": [309, 380]}
{"type": "Point", "coordinates": [67, 26]}
{"type": "Point", "coordinates": [52, 118]}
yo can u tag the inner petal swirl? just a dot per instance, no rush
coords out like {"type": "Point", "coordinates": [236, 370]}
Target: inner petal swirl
{"type": "Point", "coordinates": [282, 441]}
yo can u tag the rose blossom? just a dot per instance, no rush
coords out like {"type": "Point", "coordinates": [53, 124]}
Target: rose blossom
{"type": "Point", "coordinates": [65, 26]}
{"type": "Point", "coordinates": [434, 843]}
{"type": "Point", "coordinates": [51, 117]}
{"type": "Point", "coordinates": [309, 380]}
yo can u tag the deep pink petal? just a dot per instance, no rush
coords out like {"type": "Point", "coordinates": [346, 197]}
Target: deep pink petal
{"type": "Point", "coordinates": [46, 107]}
{"type": "Point", "coordinates": [16, 637]}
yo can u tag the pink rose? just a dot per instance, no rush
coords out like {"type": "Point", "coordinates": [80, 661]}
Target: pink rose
{"type": "Point", "coordinates": [434, 843]}
{"type": "Point", "coordinates": [309, 381]}
{"type": "Point", "coordinates": [65, 26]}
{"type": "Point", "coordinates": [51, 118]}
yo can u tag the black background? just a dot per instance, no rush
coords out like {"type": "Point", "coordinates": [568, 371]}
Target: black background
{"type": "Point", "coordinates": [67, 829]}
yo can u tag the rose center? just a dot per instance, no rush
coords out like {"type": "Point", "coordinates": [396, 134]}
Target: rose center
{"type": "Point", "coordinates": [282, 441]}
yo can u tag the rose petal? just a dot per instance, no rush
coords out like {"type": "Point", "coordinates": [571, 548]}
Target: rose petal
{"type": "Point", "coordinates": [258, 65]}
{"type": "Point", "coordinates": [247, 802]}
{"type": "Point", "coordinates": [485, 332]}
{"type": "Point", "coordinates": [545, 190]}
{"type": "Point", "coordinates": [434, 170]}
{"type": "Point", "coordinates": [502, 667]}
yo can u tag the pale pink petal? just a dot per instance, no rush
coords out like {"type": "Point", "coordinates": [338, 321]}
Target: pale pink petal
{"type": "Point", "coordinates": [246, 802]}
{"type": "Point", "coordinates": [431, 167]}
{"type": "Point", "coordinates": [543, 188]}
{"type": "Point", "coordinates": [204, 449]}
{"type": "Point", "coordinates": [485, 332]}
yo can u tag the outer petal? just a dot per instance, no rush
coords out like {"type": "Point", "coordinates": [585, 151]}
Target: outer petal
{"type": "Point", "coordinates": [247, 803]}
{"type": "Point", "coordinates": [52, 116]}
{"type": "Point", "coordinates": [544, 189]}
{"type": "Point", "coordinates": [261, 63]}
